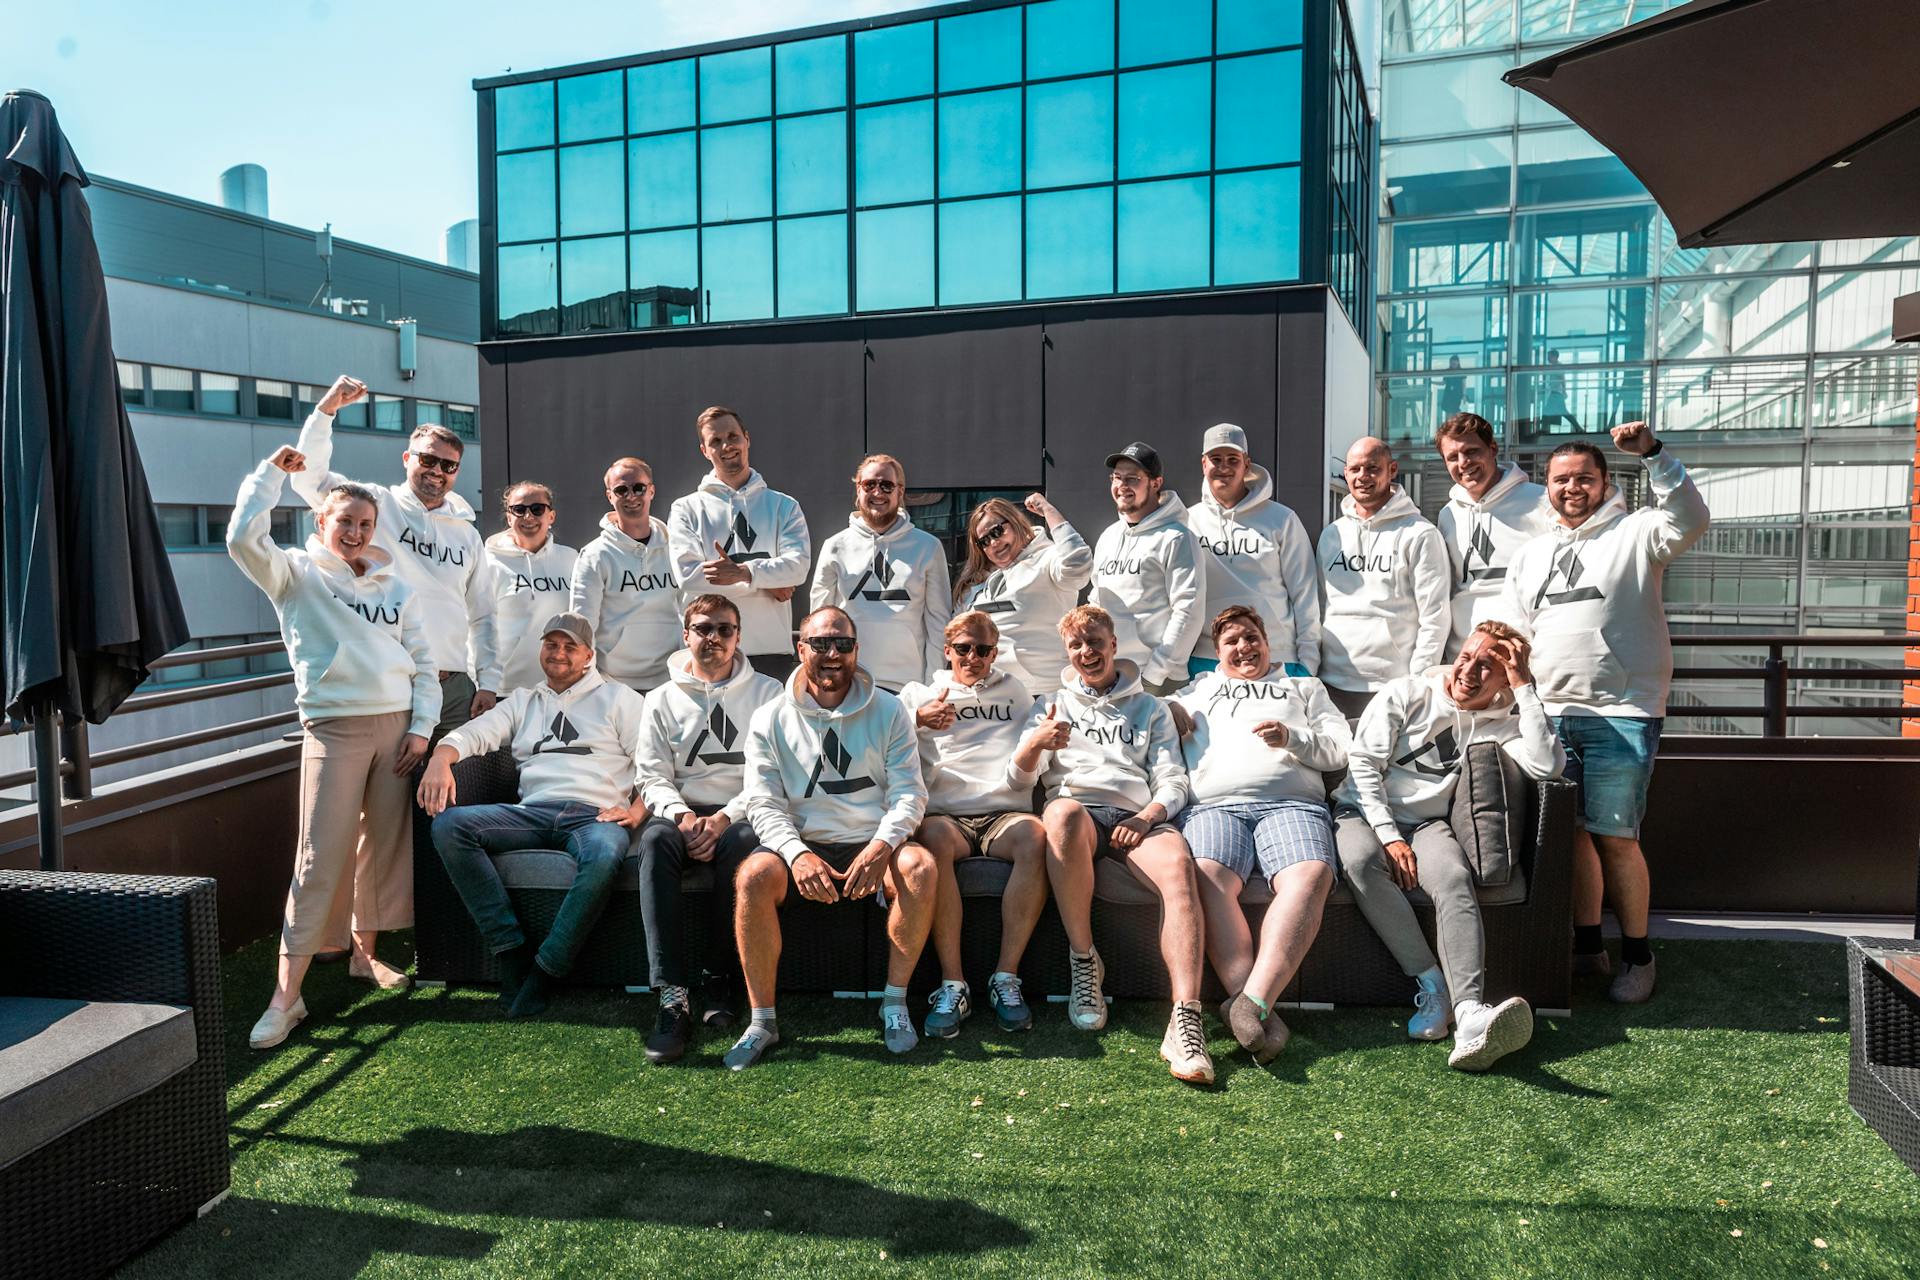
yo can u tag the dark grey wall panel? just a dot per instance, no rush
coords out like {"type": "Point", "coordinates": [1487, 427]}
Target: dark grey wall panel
{"type": "Point", "coordinates": [1301, 468]}
{"type": "Point", "coordinates": [957, 399]}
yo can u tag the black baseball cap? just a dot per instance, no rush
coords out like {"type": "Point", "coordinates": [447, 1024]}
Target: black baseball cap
{"type": "Point", "coordinates": [1142, 455]}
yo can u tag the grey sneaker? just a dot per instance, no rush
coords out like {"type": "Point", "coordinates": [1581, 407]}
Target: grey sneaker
{"type": "Point", "coordinates": [1490, 1034]}
{"type": "Point", "coordinates": [1086, 1002]}
{"type": "Point", "coordinates": [751, 1046]}
{"type": "Point", "coordinates": [896, 1027]}
{"type": "Point", "coordinates": [1185, 1045]}
{"type": "Point", "coordinates": [1433, 1011]}
{"type": "Point", "coordinates": [1633, 984]}
{"type": "Point", "coordinates": [952, 1005]}
{"type": "Point", "coordinates": [1010, 1005]}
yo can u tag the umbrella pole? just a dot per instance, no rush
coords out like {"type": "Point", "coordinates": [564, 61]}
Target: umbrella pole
{"type": "Point", "coordinates": [46, 763]}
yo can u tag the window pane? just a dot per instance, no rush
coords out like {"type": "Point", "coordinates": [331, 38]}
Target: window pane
{"type": "Point", "coordinates": [980, 141]}
{"type": "Point", "coordinates": [1460, 175]}
{"type": "Point", "coordinates": [1420, 28]}
{"type": "Point", "coordinates": [664, 278]}
{"type": "Point", "coordinates": [1549, 403]}
{"type": "Point", "coordinates": [1580, 326]}
{"type": "Point", "coordinates": [893, 62]}
{"type": "Point", "coordinates": [592, 189]}
{"type": "Point", "coordinates": [739, 271]}
{"type": "Point", "coordinates": [523, 115]}
{"type": "Point", "coordinates": [1432, 332]}
{"type": "Point", "coordinates": [1856, 394]}
{"type": "Point", "coordinates": [736, 86]}
{"type": "Point", "coordinates": [590, 107]}
{"type": "Point", "coordinates": [979, 49]}
{"type": "Point", "coordinates": [895, 259]}
{"type": "Point", "coordinates": [286, 525]}
{"type": "Point", "coordinates": [389, 413]}
{"type": "Point", "coordinates": [1869, 253]}
{"type": "Point", "coordinates": [1165, 121]}
{"type": "Point", "coordinates": [1070, 131]}
{"type": "Point", "coordinates": [219, 393]}
{"type": "Point", "coordinates": [1163, 235]}
{"type": "Point", "coordinates": [1070, 243]}
{"type": "Point", "coordinates": [1256, 226]}
{"type": "Point", "coordinates": [1257, 110]}
{"type": "Point", "coordinates": [179, 524]}
{"type": "Point", "coordinates": [355, 415]}
{"type": "Point", "coordinates": [1732, 397]}
{"type": "Point", "coordinates": [172, 388]}
{"type": "Point", "coordinates": [463, 420]}
{"type": "Point", "coordinates": [593, 285]}
{"type": "Point", "coordinates": [1069, 37]}
{"type": "Point", "coordinates": [661, 190]}
{"type": "Point", "coordinates": [660, 96]}
{"type": "Point", "coordinates": [273, 399]}
{"type": "Point", "coordinates": [811, 75]}
{"type": "Point", "coordinates": [812, 156]}
{"type": "Point", "coordinates": [1164, 31]}
{"type": "Point", "coordinates": [1459, 95]}
{"type": "Point", "coordinates": [813, 266]}
{"type": "Point", "coordinates": [736, 172]}
{"type": "Point", "coordinates": [429, 411]}
{"type": "Point", "coordinates": [980, 251]}
{"type": "Point", "coordinates": [1545, 20]}
{"type": "Point", "coordinates": [893, 153]}
{"type": "Point", "coordinates": [1412, 407]}
{"type": "Point", "coordinates": [529, 290]}
{"type": "Point", "coordinates": [132, 382]}
{"type": "Point", "coordinates": [1745, 316]}
{"type": "Point", "coordinates": [1610, 242]}
{"type": "Point", "coordinates": [525, 195]}
{"type": "Point", "coordinates": [1562, 166]}
{"type": "Point", "coordinates": [1259, 24]}
{"type": "Point", "coordinates": [1856, 308]}
{"type": "Point", "coordinates": [1448, 254]}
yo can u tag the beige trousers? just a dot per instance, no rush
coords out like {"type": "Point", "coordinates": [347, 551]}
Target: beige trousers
{"type": "Point", "coordinates": [353, 868]}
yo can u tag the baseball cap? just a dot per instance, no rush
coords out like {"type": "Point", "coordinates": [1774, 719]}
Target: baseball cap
{"type": "Point", "coordinates": [1141, 455]}
{"type": "Point", "coordinates": [572, 624]}
{"type": "Point", "coordinates": [1223, 435]}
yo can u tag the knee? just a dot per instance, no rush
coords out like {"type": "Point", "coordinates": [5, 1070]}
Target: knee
{"type": "Point", "coordinates": [446, 829]}
{"type": "Point", "coordinates": [1025, 842]}
{"type": "Point", "coordinates": [761, 878]}
{"type": "Point", "coordinates": [915, 866]}
{"type": "Point", "coordinates": [656, 842]}
{"type": "Point", "coordinates": [1062, 815]}
{"type": "Point", "coordinates": [1315, 879]}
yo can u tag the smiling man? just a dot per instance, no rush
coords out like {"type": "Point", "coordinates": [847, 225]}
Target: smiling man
{"type": "Point", "coordinates": [1147, 573]}
{"type": "Point", "coordinates": [1491, 511]}
{"type": "Point", "coordinates": [624, 584]}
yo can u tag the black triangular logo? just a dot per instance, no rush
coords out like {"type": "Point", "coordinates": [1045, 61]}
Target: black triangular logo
{"type": "Point", "coordinates": [1444, 750]}
{"type": "Point", "coordinates": [834, 755]}
{"type": "Point", "coordinates": [740, 540]}
{"type": "Point", "coordinates": [561, 735]}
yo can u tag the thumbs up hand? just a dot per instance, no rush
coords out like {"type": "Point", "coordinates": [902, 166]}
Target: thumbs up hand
{"type": "Point", "coordinates": [1051, 733]}
{"type": "Point", "coordinates": [936, 715]}
{"type": "Point", "coordinates": [721, 571]}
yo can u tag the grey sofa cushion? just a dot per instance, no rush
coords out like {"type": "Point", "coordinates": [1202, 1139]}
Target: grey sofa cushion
{"type": "Point", "coordinates": [1489, 813]}
{"type": "Point", "coordinates": [551, 869]}
{"type": "Point", "coordinates": [64, 1062]}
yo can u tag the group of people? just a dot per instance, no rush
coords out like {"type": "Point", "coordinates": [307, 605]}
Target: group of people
{"type": "Point", "coordinates": [1204, 695]}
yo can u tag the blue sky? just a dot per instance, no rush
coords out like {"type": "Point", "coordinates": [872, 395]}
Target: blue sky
{"type": "Point", "coordinates": [361, 110]}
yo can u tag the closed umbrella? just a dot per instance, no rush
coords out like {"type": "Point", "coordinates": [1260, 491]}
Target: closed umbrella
{"type": "Point", "coordinates": [87, 598]}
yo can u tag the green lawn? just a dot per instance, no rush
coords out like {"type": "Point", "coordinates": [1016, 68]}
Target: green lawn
{"type": "Point", "coordinates": [419, 1134]}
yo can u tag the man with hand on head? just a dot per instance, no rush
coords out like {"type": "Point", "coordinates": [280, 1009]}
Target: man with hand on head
{"type": "Point", "coordinates": [624, 584]}
{"type": "Point", "coordinates": [1147, 574]}
{"type": "Point", "coordinates": [428, 531]}
{"type": "Point", "coordinates": [834, 793]}
{"type": "Point", "coordinates": [1491, 511]}
{"type": "Point", "coordinates": [574, 737]}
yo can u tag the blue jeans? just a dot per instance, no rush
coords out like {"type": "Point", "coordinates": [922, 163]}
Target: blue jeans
{"type": "Point", "coordinates": [466, 834]}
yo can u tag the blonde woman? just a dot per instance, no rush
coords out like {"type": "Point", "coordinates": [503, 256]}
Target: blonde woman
{"type": "Point", "coordinates": [890, 577]}
{"type": "Point", "coordinates": [1025, 579]}
{"type": "Point", "coordinates": [532, 575]}
{"type": "Point", "coordinates": [368, 695]}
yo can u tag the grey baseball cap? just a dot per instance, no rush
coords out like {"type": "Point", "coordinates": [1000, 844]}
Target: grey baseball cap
{"type": "Point", "coordinates": [1223, 435]}
{"type": "Point", "coordinates": [572, 624]}
{"type": "Point", "coordinates": [1141, 455]}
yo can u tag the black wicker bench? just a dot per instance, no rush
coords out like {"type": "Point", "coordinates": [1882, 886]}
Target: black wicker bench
{"type": "Point", "coordinates": [1883, 1070]}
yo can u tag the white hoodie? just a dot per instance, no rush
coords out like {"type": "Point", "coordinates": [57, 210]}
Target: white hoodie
{"type": "Point", "coordinates": [357, 643]}
{"type": "Point", "coordinates": [1407, 751]}
{"type": "Point", "coordinates": [1027, 599]}
{"type": "Point", "coordinates": [1388, 608]}
{"type": "Point", "coordinates": [894, 585]}
{"type": "Point", "coordinates": [1591, 599]}
{"type": "Point", "coordinates": [1481, 538]}
{"type": "Point", "coordinates": [1147, 575]}
{"type": "Point", "coordinates": [1124, 750]}
{"type": "Point", "coordinates": [1261, 558]}
{"type": "Point", "coordinates": [628, 591]}
{"type": "Point", "coordinates": [692, 740]}
{"type": "Point", "coordinates": [837, 775]}
{"type": "Point", "coordinates": [529, 587]}
{"type": "Point", "coordinates": [578, 745]}
{"type": "Point", "coordinates": [1228, 764]}
{"type": "Point", "coordinates": [760, 529]}
{"type": "Point", "coordinates": [438, 553]}
{"type": "Point", "coordinates": [969, 765]}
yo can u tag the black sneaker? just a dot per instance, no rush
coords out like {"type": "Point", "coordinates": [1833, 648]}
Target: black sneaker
{"type": "Point", "coordinates": [670, 1033]}
{"type": "Point", "coordinates": [717, 1001]}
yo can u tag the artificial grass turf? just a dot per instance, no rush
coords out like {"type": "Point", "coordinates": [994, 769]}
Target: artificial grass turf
{"type": "Point", "coordinates": [404, 1134]}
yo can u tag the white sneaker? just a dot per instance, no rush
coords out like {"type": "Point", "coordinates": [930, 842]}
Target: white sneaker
{"type": "Point", "coordinates": [276, 1025]}
{"type": "Point", "coordinates": [1185, 1045]}
{"type": "Point", "coordinates": [1489, 1033]}
{"type": "Point", "coordinates": [1433, 1012]}
{"type": "Point", "coordinates": [1086, 1002]}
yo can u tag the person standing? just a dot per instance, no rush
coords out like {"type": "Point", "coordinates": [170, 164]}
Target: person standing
{"type": "Point", "coordinates": [428, 532]}
{"type": "Point", "coordinates": [624, 583]}
{"type": "Point", "coordinates": [1259, 554]}
{"type": "Point", "coordinates": [735, 536]}
{"type": "Point", "coordinates": [1589, 590]}
{"type": "Point", "coordinates": [1491, 510]}
{"type": "Point", "coordinates": [532, 577]}
{"type": "Point", "coordinates": [1383, 569]}
{"type": "Point", "coordinates": [1147, 575]}
{"type": "Point", "coordinates": [890, 577]}
{"type": "Point", "coordinates": [368, 696]}
{"type": "Point", "coordinates": [1025, 579]}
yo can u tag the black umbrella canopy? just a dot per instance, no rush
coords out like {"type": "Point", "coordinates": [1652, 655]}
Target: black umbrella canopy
{"type": "Point", "coordinates": [87, 598]}
{"type": "Point", "coordinates": [1757, 120]}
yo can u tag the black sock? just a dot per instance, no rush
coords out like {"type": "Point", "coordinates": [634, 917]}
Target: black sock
{"type": "Point", "coordinates": [532, 999]}
{"type": "Point", "coordinates": [1586, 939]}
{"type": "Point", "coordinates": [1635, 951]}
{"type": "Point", "coordinates": [514, 965]}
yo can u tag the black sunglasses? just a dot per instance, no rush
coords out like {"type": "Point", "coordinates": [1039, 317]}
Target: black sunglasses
{"type": "Point", "coordinates": [528, 508]}
{"type": "Point", "coordinates": [991, 536]}
{"type": "Point", "coordinates": [434, 462]}
{"type": "Point", "coordinates": [829, 644]}
{"type": "Point", "coordinates": [636, 489]}
{"type": "Point", "coordinates": [967, 649]}
{"type": "Point", "coordinates": [708, 630]}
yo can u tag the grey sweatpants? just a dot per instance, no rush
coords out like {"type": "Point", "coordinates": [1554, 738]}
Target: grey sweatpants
{"type": "Point", "coordinates": [1441, 869]}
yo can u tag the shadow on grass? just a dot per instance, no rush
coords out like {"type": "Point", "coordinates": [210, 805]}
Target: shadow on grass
{"type": "Point", "coordinates": [270, 1237]}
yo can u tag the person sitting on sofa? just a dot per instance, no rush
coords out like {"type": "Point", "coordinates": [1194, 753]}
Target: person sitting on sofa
{"type": "Point", "coordinates": [575, 737]}
{"type": "Point", "coordinates": [1392, 831]}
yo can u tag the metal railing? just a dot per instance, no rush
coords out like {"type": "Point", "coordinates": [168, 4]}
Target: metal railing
{"type": "Point", "coordinates": [1775, 674]}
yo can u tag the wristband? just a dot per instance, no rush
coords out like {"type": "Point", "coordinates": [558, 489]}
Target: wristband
{"type": "Point", "coordinates": [1654, 452]}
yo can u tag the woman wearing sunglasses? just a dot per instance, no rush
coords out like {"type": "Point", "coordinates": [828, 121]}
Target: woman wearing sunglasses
{"type": "Point", "coordinates": [890, 577]}
{"type": "Point", "coordinates": [1025, 579]}
{"type": "Point", "coordinates": [531, 577]}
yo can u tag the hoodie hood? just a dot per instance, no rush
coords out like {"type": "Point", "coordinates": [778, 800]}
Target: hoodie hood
{"type": "Point", "coordinates": [453, 506]}
{"type": "Point", "coordinates": [379, 563]}
{"type": "Point", "coordinates": [1437, 677]}
{"type": "Point", "coordinates": [994, 681]}
{"type": "Point", "coordinates": [1510, 479]}
{"type": "Point", "coordinates": [857, 697]}
{"type": "Point", "coordinates": [1259, 490]}
{"type": "Point", "coordinates": [610, 530]}
{"type": "Point", "coordinates": [712, 483]}
{"type": "Point", "coordinates": [680, 671]}
{"type": "Point", "coordinates": [1613, 508]}
{"type": "Point", "coordinates": [502, 544]}
{"type": "Point", "coordinates": [1398, 506]}
{"type": "Point", "coordinates": [902, 525]}
{"type": "Point", "coordinates": [1170, 511]}
{"type": "Point", "coordinates": [1125, 685]}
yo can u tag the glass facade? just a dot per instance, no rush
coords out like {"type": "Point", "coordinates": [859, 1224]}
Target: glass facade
{"type": "Point", "coordinates": [1527, 277]}
{"type": "Point", "coordinates": [1052, 149]}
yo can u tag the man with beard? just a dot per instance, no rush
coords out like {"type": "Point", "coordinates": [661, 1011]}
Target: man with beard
{"type": "Point", "coordinates": [1490, 512]}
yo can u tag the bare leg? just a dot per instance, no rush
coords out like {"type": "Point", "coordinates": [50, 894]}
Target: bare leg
{"type": "Point", "coordinates": [292, 972]}
{"type": "Point", "coordinates": [759, 889]}
{"type": "Point", "coordinates": [911, 889]}
{"type": "Point", "coordinates": [1162, 861]}
{"type": "Point", "coordinates": [1229, 942]}
{"type": "Point", "coordinates": [1293, 921]}
{"type": "Point", "coordinates": [1589, 885]}
{"type": "Point", "coordinates": [1625, 867]}
{"type": "Point", "coordinates": [943, 838]}
{"type": "Point", "coordinates": [1024, 845]}
{"type": "Point", "coordinates": [1070, 869]}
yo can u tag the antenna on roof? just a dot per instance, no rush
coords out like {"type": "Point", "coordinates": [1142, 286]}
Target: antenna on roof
{"type": "Point", "coordinates": [323, 249]}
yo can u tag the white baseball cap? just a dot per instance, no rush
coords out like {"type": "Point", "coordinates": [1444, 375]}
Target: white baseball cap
{"type": "Point", "coordinates": [1224, 436]}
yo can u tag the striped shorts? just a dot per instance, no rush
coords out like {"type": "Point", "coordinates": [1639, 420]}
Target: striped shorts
{"type": "Point", "coordinates": [1268, 835]}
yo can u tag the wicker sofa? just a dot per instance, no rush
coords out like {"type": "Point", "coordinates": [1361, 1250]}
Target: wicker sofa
{"type": "Point", "coordinates": [1528, 920]}
{"type": "Point", "coordinates": [113, 1112]}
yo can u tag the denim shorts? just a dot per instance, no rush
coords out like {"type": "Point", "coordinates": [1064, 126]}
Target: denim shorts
{"type": "Point", "coordinates": [1105, 818]}
{"type": "Point", "coordinates": [1268, 837]}
{"type": "Point", "coordinates": [1611, 757]}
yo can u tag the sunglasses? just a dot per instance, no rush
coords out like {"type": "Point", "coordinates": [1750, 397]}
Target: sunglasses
{"type": "Point", "coordinates": [991, 536]}
{"type": "Point", "coordinates": [708, 630]}
{"type": "Point", "coordinates": [622, 490]}
{"type": "Point", "coordinates": [829, 644]}
{"type": "Point", "coordinates": [877, 486]}
{"type": "Point", "coordinates": [965, 649]}
{"type": "Point", "coordinates": [528, 508]}
{"type": "Point", "coordinates": [434, 462]}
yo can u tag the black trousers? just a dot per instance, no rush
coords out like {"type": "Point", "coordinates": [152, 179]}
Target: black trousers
{"type": "Point", "coordinates": [663, 858]}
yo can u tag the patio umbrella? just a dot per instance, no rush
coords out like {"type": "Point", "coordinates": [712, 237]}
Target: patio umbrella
{"type": "Point", "coordinates": [1756, 120]}
{"type": "Point", "coordinates": [87, 598]}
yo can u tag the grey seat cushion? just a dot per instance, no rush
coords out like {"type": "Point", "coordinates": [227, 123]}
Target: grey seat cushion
{"type": "Point", "coordinates": [64, 1062]}
{"type": "Point", "coordinates": [1114, 882]}
{"type": "Point", "coordinates": [551, 869]}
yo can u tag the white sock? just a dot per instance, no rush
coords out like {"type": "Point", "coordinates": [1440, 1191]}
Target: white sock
{"type": "Point", "coordinates": [893, 995]}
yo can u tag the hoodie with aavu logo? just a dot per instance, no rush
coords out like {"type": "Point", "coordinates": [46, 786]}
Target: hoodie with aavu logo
{"type": "Point", "coordinates": [578, 744]}
{"type": "Point", "coordinates": [529, 587]}
{"type": "Point", "coordinates": [1481, 539]}
{"type": "Point", "coordinates": [1389, 609]}
{"type": "Point", "coordinates": [1260, 556]}
{"type": "Point", "coordinates": [1148, 575]}
{"type": "Point", "coordinates": [1228, 764]}
{"type": "Point", "coordinates": [895, 587]}
{"type": "Point", "coordinates": [758, 528]}
{"type": "Point", "coordinates": [1026, 601]}
{"type": "Point", "coordinates": [968, 766]}
{"type": "Point", "coordinates": [627, 590]}
{"type": "Point", "coordinates": [693, 741]}
{"type": "Point", "coordinates": [1123, 750]}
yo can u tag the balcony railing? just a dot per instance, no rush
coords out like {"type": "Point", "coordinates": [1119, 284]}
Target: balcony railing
{"type": "Point", "coordinates": [1776, 674]}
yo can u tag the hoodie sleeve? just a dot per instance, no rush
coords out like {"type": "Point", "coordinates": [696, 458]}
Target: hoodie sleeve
{"type": "Point", "coordinates": [1300, 574]}
{"type": "Point", "coordinates": [426, 676]}
{"type": "Point", "coordinates": [250, 532]}
{"type": "Point", "coordinates": [1070, 560]}
{"type": "Point", "coordinates": [765, 793]}
{"type": "Point", "coordinates": [792, 552]}
{"type": "Point", "coordinates": [483, 634]}
{"type": "Point", "coordinates": [826, 578]}
{"type": "Point", "coordinates": [316, 445]}
{"type": "Point", "coordinates": [1537, 748]}
{"type": "Point", "coordinates": [1374, 743]}
{"type": "Point", "coordinates": [906, 791]}
{"type": "Point", "coordinates": [653, 759]}
{"type": "Point", "coordinates": [1019, 779]}
{"type": "Point", "coordinates": [1516, 605]}
{"type": "Point", "coordinates": [491, 731]}
{"type": "Point", "coordinates": [588, 588]}
{"type": "Point", "coordinates": [1432, 597]}
{"type": "Point", "coordinates": [1186, 611]}
{"type": "Point", "coordinates": [1679, 514]}
{"type": "Point", "coordinates": [939, 609]}
{"type": "Point", "coordinates": [1326, 744]}
{"type": "Point", "coordinates": [1166, 767]}
{"type": "Point", "coordinates": [683, 544]}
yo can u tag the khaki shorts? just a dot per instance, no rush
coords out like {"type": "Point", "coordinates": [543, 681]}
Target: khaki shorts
{"type": "Point", "coordinates": [981, 830]}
